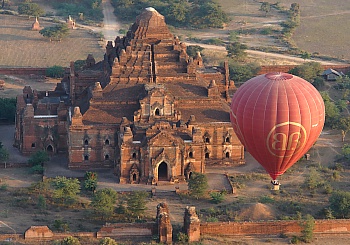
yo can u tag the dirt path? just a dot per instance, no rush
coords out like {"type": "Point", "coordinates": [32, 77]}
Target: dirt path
{"type": "Point", "coordinates": [325, 15]}
{"type": "Point", "coordinates": [111, 26]}
{"type": "Point", "coordinates": [265, 55]}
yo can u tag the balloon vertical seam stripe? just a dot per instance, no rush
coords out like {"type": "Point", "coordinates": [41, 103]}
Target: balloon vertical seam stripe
{"type": "Point", "coordinates": [278, 102]}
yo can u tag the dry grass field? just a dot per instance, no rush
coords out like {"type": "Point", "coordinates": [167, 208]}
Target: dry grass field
{"type": "Point", "coordinates": [21, 47]}
{"type": "Point", "coordinates": [324, 28]}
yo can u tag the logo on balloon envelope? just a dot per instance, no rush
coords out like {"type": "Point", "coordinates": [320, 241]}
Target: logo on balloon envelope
{"type": "Point", "coordinates": [286, 139]}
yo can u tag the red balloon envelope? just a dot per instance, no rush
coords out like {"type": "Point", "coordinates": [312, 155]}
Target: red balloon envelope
{"type": "Point", "coordinates": [277, 117]}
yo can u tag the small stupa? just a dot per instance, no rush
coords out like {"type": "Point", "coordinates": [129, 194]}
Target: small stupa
{"type": "Point", "coordinates": [36, 25]}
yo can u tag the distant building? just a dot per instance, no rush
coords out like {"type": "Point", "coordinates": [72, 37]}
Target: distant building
{"type": "Point", "coordinates": [331, 74]}
{"type": "Point", "coordinates": [148, 110]}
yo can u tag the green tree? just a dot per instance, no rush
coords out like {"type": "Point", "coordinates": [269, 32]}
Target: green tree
{"type": "Point", "coordinates": [70, 241]}
{"type": "Point", "coordinates": [8, 109]}
{"type": "Point", "coordinates": [313, 180]}
{"type": "Point", "coordinates": [208, 14]}
{"type": "Point", "coordinates": [308, 226]}
{"type": "Point", "coordinates": [265, 7]}
{"type": "Point", "coordinates": [4, 155]}
{"type": "Point", "coordinates": [241, 73]}
{"type": "Point", "coordinates": [30, 9]}
{"type": "Point", "coordinates": [318, 82]}
{"type": "Point", "coordinates": [236, 50]}
{"type": "Point", "coordinates": [217, 197]}
{"type": "Point", "coordinates": [331, 110]}
{"type": "Point", "coordinates": [346, 151]}
{"type": "Point", "coordinates": [309, 70]}
{"type": "Point", "coordinates": [38, 158]}
{"type": "Point", "coordinates": [344, 126]}
{"type": "Point", "coordinates": [65, 189]}
{"type": "Point", "coordinates": [198, 185]}
{"type": "Point", "coordinates": [56, 32]}
{"type": "Point", "coordinates": [41, 203]}
{"type": "Point", "coordinates": [103, 202]}
{"type": "Point", "coordinates": [177, 12]}
{"type": "Point", "coordinates": [136, 203]}
{"type": "Point", "coordinates": [305, 55]}
{"type": "Point", "coordinates": [55, 71]}
{"type": "Point", "coordinates": [340, 204]}
{"type": "Point", "coordinates": [107, 241]}
{"type": "Point", "coordinates": [193, 49]}
{"type": "Point", "coordinates": [90, 182]}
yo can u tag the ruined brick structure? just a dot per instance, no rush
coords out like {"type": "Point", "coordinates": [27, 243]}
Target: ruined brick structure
{"type": "Point", "coordinates": [165, 229]}
{"type": "Point", "coordinates": [192, 224]}
{"type": "Point", "coordinates": [148, 110]}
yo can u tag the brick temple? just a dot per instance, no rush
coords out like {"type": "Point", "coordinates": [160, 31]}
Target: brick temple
{"type": "Point", "coordinates": [148, 110]}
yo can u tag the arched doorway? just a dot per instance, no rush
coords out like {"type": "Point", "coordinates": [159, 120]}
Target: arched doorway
{"type": "Point", "coordinates": [49, 149]}
{"type": "Point", "coordinates": [157, 112]}
{"type": "Point", "coordinates": [163, 171]}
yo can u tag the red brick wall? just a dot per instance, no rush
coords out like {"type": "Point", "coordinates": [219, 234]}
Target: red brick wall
{"type": "Point", "coordinates": [23, 71]}
{"type": "Point", "coordinates": [271, 228]}
{"type": "Point", "coordinates": [286, 68]}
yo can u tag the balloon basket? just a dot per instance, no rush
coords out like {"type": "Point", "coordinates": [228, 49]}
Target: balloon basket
{"type": "Point", "coordinates": [275, 185]}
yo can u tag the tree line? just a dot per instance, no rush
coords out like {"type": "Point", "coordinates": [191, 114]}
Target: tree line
{"type": "Point", "coordinates": [179, 13]}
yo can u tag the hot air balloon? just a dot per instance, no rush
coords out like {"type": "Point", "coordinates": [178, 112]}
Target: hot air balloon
{"type": "Point", "coordinates": [277, 117]}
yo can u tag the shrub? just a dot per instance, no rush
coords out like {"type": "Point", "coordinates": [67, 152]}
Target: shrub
{"type": "Point", "coordinates": [340, 204]}
{"type": "Point", "coordinates": [308, 226]}
{"type": "Point", "coordinates": [70, 241]}
{"type": "Point", "coordinates": [182, 238]}
{"type": "Point", "coordinates": [107, 241]}
{"type": "Point", "coordinates": [55, 72]}
{"type": "Point", "coordinates": [217, 197]}
{"type": "Point", "coordinates": [212, 219]}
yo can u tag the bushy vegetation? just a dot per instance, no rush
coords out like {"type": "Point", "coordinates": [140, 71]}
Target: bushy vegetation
{"type": "Point", "coordinates": [55, 71]}
{"type": "Point", "coordinates": [90, 181]}
{"type": "Point", "coordinates": [193, 13]}
{"type": "Point", "coordinates": [80, 9]}
{"type": "Point", "coordinates": [56, 32]}
{"type": "Point", "coordinates": [30, 9]}
{"type": "Point", "coordinates": [309, 71]}
{"type": "Point", "coordinates": [240, 72]}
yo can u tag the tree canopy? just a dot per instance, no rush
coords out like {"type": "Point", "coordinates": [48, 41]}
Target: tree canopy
{"type": "Point", "coordinates": [4, 154]}
{"type": "Point", "coordinates": [65, 189]}
{"type": "Point", "coordinates": [236, 50]}
{"type": "Point", "coordinates": [136, 203]}
{"type": "Point", "coordinates": [198, 14]}
{"type": "Point", "coordinates": [340, 204]}
{"type": "Point", "coordinates": [30, 9]}
{"type": "Point", "coordinates": [241, 73]}
{"type": "Point", "coordinates": [56, 32]}
{"type": "Point", "coordinates": [103, 202]}
{"type": "Point", "coordinates": [332, 112]}
{"type": "Point", "coordinates": [8, 109]}
{"type": "Point", "coordinates": [309, 71]}
{"type": "Point", "coordinates": [38, 158]}
{"type": "Point", "coordinates": [198, 185]}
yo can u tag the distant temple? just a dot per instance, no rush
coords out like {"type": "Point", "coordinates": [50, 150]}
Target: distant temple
{"type": "Point", "coordinates": [148, 110]}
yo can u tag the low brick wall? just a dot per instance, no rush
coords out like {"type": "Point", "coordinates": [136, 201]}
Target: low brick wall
{"type": "Point", "coordinates": [286, 68]}
{"type": "Point", "coordinates": [23, 71]}
{"type": "Point", "coordinates": [127, 230]}
{"type": "Point", "coordinates": [272, 227]}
